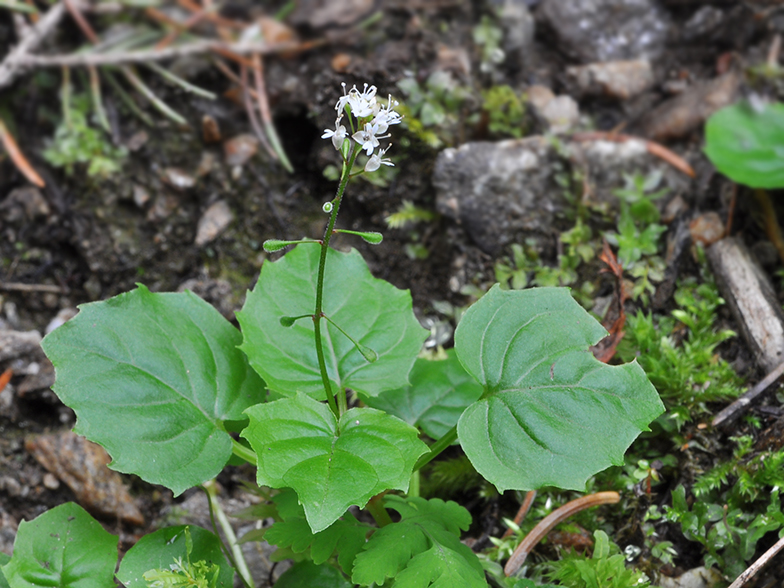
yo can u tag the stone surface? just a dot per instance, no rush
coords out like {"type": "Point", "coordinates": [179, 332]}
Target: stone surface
{"type": "Point", "coordinates": [614, 79]}
{"type": "Point", "coordinates": [607, 30]}
{"type": "Point", "coordinates": [17, 343]}
{"type": "Point", "coordinates": [213, 222]}
{"type": "Point", "coordinates": [498, 191]}
{"type": "Point", "coordinates": [679, 116]}
{"type": "Point", "coordinates": [519, 27]}
{"type": "Point", "coordinates": [82, 466]}
{"type": "Point", "coordinates": [238, 150]}
{"type": "Point", "coordinates": [558, 113]}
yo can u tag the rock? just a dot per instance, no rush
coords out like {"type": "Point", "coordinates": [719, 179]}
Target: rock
{"type": "Point", "coordinates": [178, 178]}
{"type": "Point", "coordinates": [679, 116]}
{"type": "Point", "coordinates": [210, 130]}
{"type": "Point", "coordinates": [22, 204]}
{"type": "Point", "coordinates": [607, 30]}
{"type": "Point", "coordinates": [213, 222]}
{"type": "Point", "coordinates": [518, 25]}
{"type": "Point", "coordinates": [64, 315]}
{"type": "Point", "coordinates": [238, 150]}
{"type": "Point", "coordinates": [498, 191]}
{"type": "Point", "coordinates": [140, 196]}
{"type": "Point", "coordinates": [616, 79]}
{"type": "Point", "coordinates": [8, 526]}
{"type": "Point", "coordinates": [702, 23]}
{"type": "Point", "coordinates": [674, 209]}
{"type": "Point", "coordinates": [560, 113]}
{"type": "Point", "coordinates": [219, 293]}
{"type": "Point", "coordinates": [706, 228]}
{"type": "Point", "coordinates": [14, 344]}
{"type": "Point", "coordinates": [82, 466]}
{"type": "Point", "coordinates": [319, 14]}
{"type": "Point", "coordinates": [701, 577]}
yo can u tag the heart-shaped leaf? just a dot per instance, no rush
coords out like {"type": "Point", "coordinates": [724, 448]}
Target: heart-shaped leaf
{"type": "Point", "coordinates": [746, 144]}
{"type": "Point", "coordinates": [438, 394]}
{"type": "Point", "coordinates": [552, 414]}
{"type": "Point", "coordinates": [64, 547]}
{"type": "Point", "coordinates": [151, 378]}
{"type": "Point", "coordinates": [371, 311]}
{"type": "Point", "coordinates": [330, 463]}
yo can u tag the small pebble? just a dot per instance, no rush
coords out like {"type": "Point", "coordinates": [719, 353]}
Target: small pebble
{"type": "Point", "coordinates": [616, 79]}
{"type": "Point", "coordinates": [707, 228]}
{"type": "Point", "coordinates": [210, 130]}
{"type": "Point", "coordinates": [140, 195]}
{"type": "Point", "coordinates": [178, 178]}
{"type": "Point", "coordinates": [137, 141]}
{"type": "Point", "coordinates": [51, 481]}
{"type": "Point", "coordinates": [238, 150]}
{"type": "Point", "coordinates": [213, 222]}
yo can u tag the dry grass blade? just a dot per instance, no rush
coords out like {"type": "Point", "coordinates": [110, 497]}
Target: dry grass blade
{"type": "Point", "coordinates": [18, 158]}
{"type": "Point", "coordinates": [550, 521]}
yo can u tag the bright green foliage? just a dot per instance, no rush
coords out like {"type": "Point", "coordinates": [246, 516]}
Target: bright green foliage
{"type": "Point", "coordinates": [372, 311]}
{"type": "Point", "coordinates": [76, 142]}
{"type": "Point", "coordinates": [689, 373]}
{"type": "Point", "coordinates": [430, 529]}
{"type": "Point", "coordinates": [488, 35]}
{"type": "Point", "coordinates": [744, 476]}
{"type": "Point", "coordinates": [548, 402]}
{"type": "Point", "coordinates": [168, 366]}
{"type": "Point", "coordinates": [438, 394]}
{"type": "Point", "coordinates": [408, 212]}
{"type": "Point", "coordinates": [436, 103]}
{"type": "Point", "coordinates": [746, 143]}
{"type": "Point", "coordinates": [173, 557]}
{"type": "Point", "coordinates": [4, 559]}
{"type": "Point", "coordinates": [330, 463]}
{"type": "Point", "coordinates": [605, 569]}
{"type": "Point", "coordinates": [307, 574]}
{"type": "Point", "coordinates": [728, 536]}
{"type": "Point", "coordinates": [64, 547]}
{"type": "Point", "coordinates": [344, 538]}
{"type": "Point", "coordinates": [505, 110]}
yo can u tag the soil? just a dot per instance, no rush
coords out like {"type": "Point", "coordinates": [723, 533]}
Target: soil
{"type": "Point", "coordinates": [83, 238]}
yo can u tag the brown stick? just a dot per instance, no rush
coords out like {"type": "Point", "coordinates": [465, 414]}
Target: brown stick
{"type": "Point", "coordinates": [9, 68]}
{"type": "Point", "coordinates": [731, 413]}
{"type": "Point", "coordinates": [554, 518]}
{"type": "Point", "coordinates": [18, 287]}
{"type": "Point", "coordinates": [143, 55]}
{"type": "Point", "coordinates": [81, 22]}
{"type": "Point", "coordinates": [524, 508]}
{"type": "Point", "coordinates": [752, 570]}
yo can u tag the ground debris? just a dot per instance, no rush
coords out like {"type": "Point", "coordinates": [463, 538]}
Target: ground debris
{"type": "Point", "coordinates": [82, 466]}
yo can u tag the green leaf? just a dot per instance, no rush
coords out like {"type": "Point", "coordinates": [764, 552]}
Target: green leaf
{"type": "Point", "coordinates": [372, 237]}
{"type": "Point", "coordinates": [346, 536]}
{"type": "Point", "coordinates": [64, 547]}
{"type": "Point", "coordinates": [552, 415]}
{"type": "Point", "coordinates": [439, 567]}
{"type": "Point", "coordinates": [372, 311]}
{"type": "Point", "coordinates": [151, 378]}
{"type": "Point", "coordinates": [424, 525]}
{"type": "Point", "coordinates": [746, 144]}
{"type": "Point", "coordinates": [306, 573]}
{"type": "Point", "coordinates": [160, 549]}
{"type": "Point", "coordinates": [438, 394]}
{"type": "Point", "coordinates": [4, 559]}
{"type": "Point", "coordinates": [331, 464]}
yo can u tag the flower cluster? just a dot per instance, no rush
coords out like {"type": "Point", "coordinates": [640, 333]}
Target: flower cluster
{"type": "Point", "coordinates": [372, 122]}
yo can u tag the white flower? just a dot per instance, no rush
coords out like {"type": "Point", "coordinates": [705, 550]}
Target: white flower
{"type": "Point", "coordinates": [367, 138]}
{"type": "Point", "coordinates": [337, 135]}
{"type": "Point", "coordinates": [363, 104]}
{"type": "Point", "coordinates": [375, 160]}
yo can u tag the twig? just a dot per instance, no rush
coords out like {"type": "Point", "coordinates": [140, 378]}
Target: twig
{"type": "Point", "coordinates": [19, 287]}
{"type": "Point", "coordinates": [9, 68]}
{"type": "Point", "coordinates": [554, 518]}
{"type": "Point", "coordinates": [752, 570]}
{"type": "Point", "coordinates": [254, 121]}
{"type": "Point", "coordinates": [81, 22]}
{"type": "Point", "coordinates": [157, 103]}
{"type": "Point", "coordinates": [524, 508]}
{"type": "Point", "coordinates": [144, 55]}
{"type": "Point", "coordinates": [178, 81]}
{"type": "Point", "coordinates": [653, 148]}
{"type": "Point", "coordinates": [737, 408]}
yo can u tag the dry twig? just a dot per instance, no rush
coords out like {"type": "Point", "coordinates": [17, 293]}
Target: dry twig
{"type": "Point", "coordinates": [752, 570]}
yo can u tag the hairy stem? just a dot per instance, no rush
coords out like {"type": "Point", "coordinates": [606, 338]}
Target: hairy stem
{"type": "Point", "coordinates": [236, 550]}
{"type": "Point", "coordinates": [318, 314]}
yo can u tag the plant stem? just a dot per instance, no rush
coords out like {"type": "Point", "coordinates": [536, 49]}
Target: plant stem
{"type": "Point", "coordinates": [318, 314]}
{"type": "Point", "coordinates": [436, 448]}
{"type": "Point", "coordinates": [375, 507]}
{"type": "Point", "coordinates": [243, 452]}
{"type": "Point", "coordinates": [236, 550]}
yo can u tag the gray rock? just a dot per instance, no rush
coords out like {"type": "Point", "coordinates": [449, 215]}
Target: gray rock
{"type": "Point", "coordinates": [615, 79]}
{"type": "Point", "coordinates": [519, 27]}
{"type": "Point", "coordinates": [607, 30]}
{"type": "Point", "coordinates": [18, 343]}
{"type": "Point", "coordinates": [213, 222]}
{"type": "Point", "coordinates": [498, 191]}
